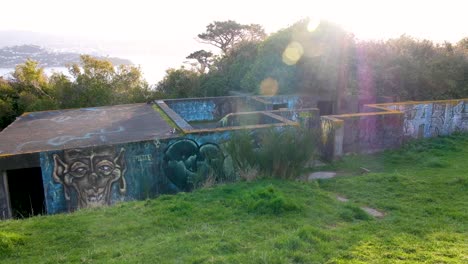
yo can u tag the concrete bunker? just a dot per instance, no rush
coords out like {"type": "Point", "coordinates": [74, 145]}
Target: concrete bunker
{"type": "Point", "coordinates": [97, 156]}
{"type": "Point", "coordinates": [64, 160]}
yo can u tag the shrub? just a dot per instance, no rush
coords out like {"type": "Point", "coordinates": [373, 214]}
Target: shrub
{"type": "Point", "coordinates": [279, 153]}
{"type": "Point", "coordinates": [242, 150]}
{"type": "Point", "coordinates": [284, 153]}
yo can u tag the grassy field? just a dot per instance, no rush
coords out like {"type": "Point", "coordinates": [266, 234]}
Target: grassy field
{"type": "Point", "coordinates": [422, 189]}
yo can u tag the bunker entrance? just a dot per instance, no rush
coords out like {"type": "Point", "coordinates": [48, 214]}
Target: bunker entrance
{"type": "Point", "coordinates": [325, 107]}
{"type": "Point", "coordinates": [26, 192]}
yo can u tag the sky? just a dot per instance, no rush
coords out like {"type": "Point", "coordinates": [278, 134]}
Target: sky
{"type": "Point", "coordinates": [168, 28]}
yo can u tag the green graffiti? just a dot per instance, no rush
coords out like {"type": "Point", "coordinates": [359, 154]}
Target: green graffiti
{"type": "Point", "coordinates": [186, 163]}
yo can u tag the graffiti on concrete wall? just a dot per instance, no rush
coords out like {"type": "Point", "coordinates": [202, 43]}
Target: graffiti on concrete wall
{"type": "Point", "coordinates": [434, 119]}
{"type": "Point", "coordinates": [96, 176]}
{"type": "Point", "coordinates": [414, 120]}
{"type": "Point", "coordinates": [87, 175]}
{"type": "Point", "coordinates": [459, 116]}
{"type": "Point", "coordinates": [185, 162]}
{"type": "Point", "coordinates": [436, 126]}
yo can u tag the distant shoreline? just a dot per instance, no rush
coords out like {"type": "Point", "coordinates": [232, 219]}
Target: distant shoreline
{"type": "Point", "coordinates": [14, 55]}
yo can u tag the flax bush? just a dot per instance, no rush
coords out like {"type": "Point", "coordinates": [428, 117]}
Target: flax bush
{"type": "Point", "coordinates": [278, 153]}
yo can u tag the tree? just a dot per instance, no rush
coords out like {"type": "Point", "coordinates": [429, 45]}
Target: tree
{"type": "Point", "coordinates": [179, 83]}
{"type": "Point", "coordinates": [92, 85]}
{"type": "Point", "coordinates": [463, 43]}
{"type": "Point", "coordinates": [204, 59]}
{"type": "Point", "coordinates": [129, 86]}
{"type": "Point", "coordinates": [64, 91]}
{"type": "Point", "coordinates": [98, 82]}
{"type": "Point", "coordinates": [32, 87]}
{"type": "Point", "coordinates": [301, 61]}
{"type": "Point", "coordinates": [269, 64]}
{"type": "Point", "coordinates": [226, 34]}
{"type": "Point", "coordinates": [253, 33]}
{"type": "Point", "coordinates": [8, 96]}
{"type": "Point", "coordinates": [30, 77]}
{"type": "Point", "coordinates": [235, 65]}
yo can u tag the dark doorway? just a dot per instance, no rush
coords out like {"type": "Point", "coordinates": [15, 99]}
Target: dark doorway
{"type": "Point", "coordinates": [26, 192]}
{"type": "Point", "coordinates": [325, 107]}
{"type": "Point", "coordinates": [279, 106]}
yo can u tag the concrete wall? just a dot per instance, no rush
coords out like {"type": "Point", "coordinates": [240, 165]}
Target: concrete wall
{"type": "Point", "coordinates": [386, 126]}
{"type": "Point", "coordinates": [430, 119]}
{"type": "Point", "coordinates": [88, 177]}
{"type": "Point", "coordinates": [218, 114]}
{"type": "Point", "coordinates": [5, 211]}
{"type": "Point", "coordinates": [215, 108]}
{"type": "Point", "coordinates": [209, 108]}
{"type": "Point", "coordinates": [371, 133]}
{"type": "Point", "coordinates": [102, 175]}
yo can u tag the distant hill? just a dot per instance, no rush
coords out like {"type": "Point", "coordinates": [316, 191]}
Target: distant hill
{"type": "Point", "coordinates": [13, 55]}
{"type": "Point", "coordinates": [51, 41]}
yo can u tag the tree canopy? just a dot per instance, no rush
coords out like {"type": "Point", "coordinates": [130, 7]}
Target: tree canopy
{"type": "Point", "coordinates": [329, 60]}
{"type": "Point", "coordinates": [204, 59]}
{"type": "Point", "coordinates": [226, 34]}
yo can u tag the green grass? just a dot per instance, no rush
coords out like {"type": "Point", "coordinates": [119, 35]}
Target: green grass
{"type": "Point", "coordinates": [166, 117]}
{"type": "Point", "coordinates": [423, 190]}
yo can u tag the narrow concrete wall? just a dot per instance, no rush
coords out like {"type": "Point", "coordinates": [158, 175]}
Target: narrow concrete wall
{"type": "Point", "coordinates": [430, 119]}
{"type": "Point", "coordinates": [387, 126]}
{"type": "Point", "coordinates": [209, 108]}
{"type": "Point", "coordinates": [5, 208]}
{"type": "Point", "coordinates": [371, 133]}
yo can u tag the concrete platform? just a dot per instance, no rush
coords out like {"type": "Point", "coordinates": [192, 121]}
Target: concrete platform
{"type": "Point", "coordinates": [84, 127]}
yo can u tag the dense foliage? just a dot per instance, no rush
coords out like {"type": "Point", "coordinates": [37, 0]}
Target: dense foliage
{"type": "Point", "coordinates": [325, 60]}
{"type": "Point", "coordinates": [321, 59]}
{"type": "Point", "coordinates": [95, 82]}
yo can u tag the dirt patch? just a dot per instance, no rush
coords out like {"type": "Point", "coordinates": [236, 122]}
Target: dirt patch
{"type": "Point", "coordinates": [321, 175]}
{"type": "Point", "coordinates": [373, 212]}
{"type": "Point", "coordinates": [342, 199]}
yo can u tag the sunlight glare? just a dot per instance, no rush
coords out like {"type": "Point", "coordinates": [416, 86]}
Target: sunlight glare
{"type": "Point", "coordinates": [293, 53]}
{"type": "Point", "coordinates": [269, 87]}
{"type": "Point", "coordinates": [313, 24]}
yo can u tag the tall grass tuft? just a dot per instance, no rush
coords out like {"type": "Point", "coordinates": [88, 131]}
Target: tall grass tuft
{"type": "Point", "coordinates": [278, 153]}
{"type": "Point", "coordinates": [243, 152]}
{"type": "Point", "coordinates": [8, 242]}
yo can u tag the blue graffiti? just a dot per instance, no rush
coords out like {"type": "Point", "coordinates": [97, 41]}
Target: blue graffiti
{"type": "Point", "coordinates": [60, 140]}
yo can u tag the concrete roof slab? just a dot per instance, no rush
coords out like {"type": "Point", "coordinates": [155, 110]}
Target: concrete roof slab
{"type": "Point", "coordinates": [84, 127]}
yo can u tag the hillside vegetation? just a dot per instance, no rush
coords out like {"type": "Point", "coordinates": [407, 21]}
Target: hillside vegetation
{"type": "Point", "coordinates": [422, 190]}
{"type": "Point", "coordinates": [324, 60]}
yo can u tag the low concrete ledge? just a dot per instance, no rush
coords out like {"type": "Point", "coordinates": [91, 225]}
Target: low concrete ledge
{"type": "Point", "coordinates": [178, 120]}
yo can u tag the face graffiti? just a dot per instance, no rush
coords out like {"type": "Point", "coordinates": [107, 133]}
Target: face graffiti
{"type": "Point", "coordinates": [90, 173]}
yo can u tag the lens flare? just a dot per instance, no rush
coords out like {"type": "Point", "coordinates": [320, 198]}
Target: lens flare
{"type": "Point", "coordinates": [313, 24]}
{"type": "Point", "coordinates": [269, 87]}
{"type": "Point", "coordinates": [293, 53]}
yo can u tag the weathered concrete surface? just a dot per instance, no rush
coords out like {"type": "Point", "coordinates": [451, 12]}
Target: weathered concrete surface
{"type": "Point", "coordinates": [321, 175]}
{"type": "Point", "coordinates": [64, 129]}
{"type": "Point", "coordinates": [388, 125]}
